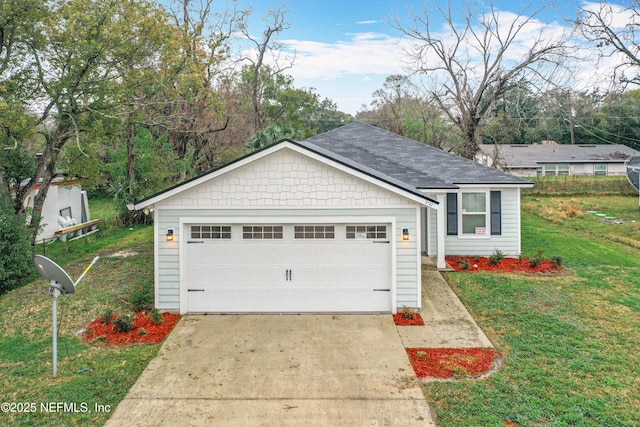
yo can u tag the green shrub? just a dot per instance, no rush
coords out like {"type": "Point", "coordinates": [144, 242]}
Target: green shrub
{"type": "Point", "coordinates": [408, 313]}
{"type": "Point", "coordinates": [142, 300]}
{"type": "Point", "coordinates": [557, 261]}
{"type": "Point", "coordinates": [496, 257]}
{"type": "Point", "coordinates": [107, 316]}
{"type": "Point", "coordinates": [156, 316]}
{"type": "Point", "coordinates": [16, 252]}
{"type": "Point", "coordinates": [123, 323]}
{"type": "Point", "coordinates": [464, 263]}
{"type": "Point", "coordinates": [537, 259]}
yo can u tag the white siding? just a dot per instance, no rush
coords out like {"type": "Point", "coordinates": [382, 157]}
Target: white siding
{"type": "Point", "coordinates": [508, 242]}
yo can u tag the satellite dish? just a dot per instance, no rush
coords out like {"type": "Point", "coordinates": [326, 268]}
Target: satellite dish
{"type": "Point", "coordinates": [60, 283]}
{"type": "Point", "coordinates": [54, 274]}
{"type": "Point", "coordinates": [632, 166]}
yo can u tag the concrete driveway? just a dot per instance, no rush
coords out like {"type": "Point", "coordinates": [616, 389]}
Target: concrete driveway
{"type": "Point", "coordinates": [278, 370]}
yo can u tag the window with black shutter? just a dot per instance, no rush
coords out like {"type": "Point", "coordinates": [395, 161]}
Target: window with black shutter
{"type": "Point", "coordinates": [496, 213]}
{"type": "Point", "coordinates": [452, 214]}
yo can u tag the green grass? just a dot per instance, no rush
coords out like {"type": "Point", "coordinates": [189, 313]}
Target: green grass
{"type": "Point", "coordinates": [25, 332]}
{"type": "Point", "coordinates": [571, 341]}
{"type": "Point", "coordinates": [102, 207]}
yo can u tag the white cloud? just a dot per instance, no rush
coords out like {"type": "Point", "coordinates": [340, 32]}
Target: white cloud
{"type": "Point", "coordinates": [361, 54]}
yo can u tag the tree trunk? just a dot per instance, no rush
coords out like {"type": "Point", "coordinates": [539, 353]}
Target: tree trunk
{"type": "Point", "coordinates": [130, 138]}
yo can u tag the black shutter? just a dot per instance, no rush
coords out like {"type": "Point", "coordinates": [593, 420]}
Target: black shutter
{"type": "Point", "coordinates": [496, 213]}
{"type": "Point", "coordinates": [452, 214]}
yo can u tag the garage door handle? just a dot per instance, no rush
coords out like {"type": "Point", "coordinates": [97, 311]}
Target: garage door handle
{"type": "Point", "coordinates": [195, 241]}
{"type": "Point", "coordinates": [382, 290]}
{"type": "Point", "coordinates": [195, 290]}
{"type": "Point", "coordinates": [381, 241]}
{"type": "Point", "coordinates": [288, 275]}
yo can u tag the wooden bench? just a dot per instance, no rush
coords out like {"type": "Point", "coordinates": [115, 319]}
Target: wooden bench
{"type": "Point", "coordinates": [83, 227]}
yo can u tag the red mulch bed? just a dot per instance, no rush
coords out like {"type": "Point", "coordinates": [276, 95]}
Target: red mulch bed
{"type": "Point", "coordinates": [450, 363]}
{"type": "Point", "coordinates": [506, 265]}
{"type": "Point", "coordinates": [144, 331]}
{"type": "Point", "coordinates": [401, 320]}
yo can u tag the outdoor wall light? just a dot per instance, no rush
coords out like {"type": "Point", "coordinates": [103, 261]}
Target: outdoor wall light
{"type": "Point", "coordinates": [405, 234]}
{"type": "Point", "coordinates": [169, 234]}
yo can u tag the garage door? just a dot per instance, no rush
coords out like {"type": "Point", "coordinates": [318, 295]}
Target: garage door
{"type": "Point", "coordinates": [272, 268]}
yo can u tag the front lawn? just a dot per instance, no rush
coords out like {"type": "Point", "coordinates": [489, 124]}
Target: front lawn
{"type": "Point", "coordinates": [91, 380]}
{"type": "Point", "coordinates": [571, 342]}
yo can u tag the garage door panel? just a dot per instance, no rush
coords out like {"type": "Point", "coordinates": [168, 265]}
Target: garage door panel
{"type": "Point", "coordinates": [278, 300]}
{"type": "Point", "coordinates": [288, 275]}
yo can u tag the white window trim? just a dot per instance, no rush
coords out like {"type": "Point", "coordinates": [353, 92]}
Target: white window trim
{"type": "Point", "coordinates": [487, 217]}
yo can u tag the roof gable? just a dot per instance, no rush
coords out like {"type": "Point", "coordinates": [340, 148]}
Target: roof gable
{"type": "Point", "coordinates": [365, 174]}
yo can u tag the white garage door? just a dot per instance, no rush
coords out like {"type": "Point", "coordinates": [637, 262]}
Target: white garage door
{"type": "Point", "coordinates": [272, 268]}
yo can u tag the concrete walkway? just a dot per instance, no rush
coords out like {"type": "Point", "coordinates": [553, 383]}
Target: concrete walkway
{"type": "Point", "coordinates": [291, 370]}
{"type": "Point", "coordinates": [448, 324]}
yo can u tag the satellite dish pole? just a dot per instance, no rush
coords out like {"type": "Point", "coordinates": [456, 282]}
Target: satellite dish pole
{"type": "Point", "coordinates": [60, 284]}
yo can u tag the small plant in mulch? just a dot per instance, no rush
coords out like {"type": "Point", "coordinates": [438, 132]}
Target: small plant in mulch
{"type": "Point", "coordinates": [156, 316]}
{"type": "Point", "coordinates": [536, 260]}
{"type": "Point", "coordinates": [408, 317]}
{"type": "Point", "coordinates": [557, 261]}
{"type": "Point", "coordinates": [453, 363]}
{"type": "Point", "coordinates": [123, 324]}
{"type": "Point", "coordinates": [107, 316]}
{"type": "Point", "coordinates": [464, 263]}
{"type": "Point", "coordinates": [408, 312]}
{"type": "Point", "coordinates": [496, 257]}
{"type": "Point", "coordinates": [143, 329]}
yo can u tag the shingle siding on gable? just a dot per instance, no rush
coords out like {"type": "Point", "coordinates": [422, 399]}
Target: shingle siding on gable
{"type": "Point", "coordinates": [286, 179]}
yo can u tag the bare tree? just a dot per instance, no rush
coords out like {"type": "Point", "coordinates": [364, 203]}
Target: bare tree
{"type": "Point", "coordinates": [613, 28]}
{"type": "Point", "coordinates": [479, 58]}
{"type": "Point", "coordinates": [276, 24]}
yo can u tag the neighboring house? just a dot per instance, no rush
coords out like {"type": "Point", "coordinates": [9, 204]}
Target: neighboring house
{"type": "Point", "coordinates": [556, 159]}
{"type": "Point", "coordinates": [334, 223]}
{"type": "Point", "coordinates": [65, 200]}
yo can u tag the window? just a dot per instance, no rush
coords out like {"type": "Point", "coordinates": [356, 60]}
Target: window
{"type": "Point", "coordinates": [600, 169]}
{"type": "Point", "coordinates": [314, 232]}
{"type": "Point", "coordinates": [210, 231]}
{"type": "Point", "coordinates": [366, 231]}
{"type": "Point", "coordinates": [257, 232]}
{"type": "Point", "coordinates": [553, 169]}
{"type": "Point", "coordinates": [474, 213]}
{"type": "Point", "coordinates": [66, 213]}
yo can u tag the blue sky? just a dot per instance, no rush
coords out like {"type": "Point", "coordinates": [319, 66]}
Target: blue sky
{"type": "Point", "coordinates": [345, 49]}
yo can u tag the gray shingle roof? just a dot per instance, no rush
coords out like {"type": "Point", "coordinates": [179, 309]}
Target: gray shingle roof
{"type": "Point", "coordinates": [531, 156]}
{"type": "Point", "coordinates": [385, 154]}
